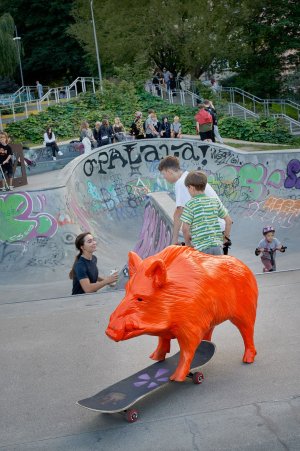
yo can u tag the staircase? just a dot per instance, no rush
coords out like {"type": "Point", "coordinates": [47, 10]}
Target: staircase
{"type": "Point", "coordinates": [236, 110]}
{"type": "Point", "coordinates": [22, 103]}
{"type": "Point", "coordinates": [246, 105]}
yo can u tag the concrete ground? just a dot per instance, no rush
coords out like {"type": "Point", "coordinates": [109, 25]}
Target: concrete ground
{"type": "Point", "coordinates": [55, 352]}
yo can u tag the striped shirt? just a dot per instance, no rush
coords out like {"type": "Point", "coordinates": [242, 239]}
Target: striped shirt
{"type": "Point", "coordinates": [202, 213]}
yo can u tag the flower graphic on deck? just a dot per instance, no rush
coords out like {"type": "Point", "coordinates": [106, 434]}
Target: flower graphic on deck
{"type": "Point", "coordinates": [145, 379]}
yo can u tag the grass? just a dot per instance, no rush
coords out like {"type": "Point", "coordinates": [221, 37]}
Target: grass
{"type": "Point", "coordinates": [258, 147]}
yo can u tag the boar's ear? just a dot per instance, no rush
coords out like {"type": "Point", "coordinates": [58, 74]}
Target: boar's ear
{"type": "Point", "coordinates": [158, 272]}
{"type": "Point", "coordinates": [134, 262]}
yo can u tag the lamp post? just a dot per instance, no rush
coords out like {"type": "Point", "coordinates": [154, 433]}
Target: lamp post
{"type": "Point", "coordinates": [18, 39]}
{"type": "Point", "coordinates": [96, 46]}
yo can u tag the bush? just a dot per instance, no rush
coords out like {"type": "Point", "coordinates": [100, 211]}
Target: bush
{"type": "Point", "coordinates": [118, 99]}
{"type": "Point", "coordinates": [123, 99]}
{"type": "Point", "coordinates": [269, 130]}
{"type": "Point", "coordinates": [7, 86]}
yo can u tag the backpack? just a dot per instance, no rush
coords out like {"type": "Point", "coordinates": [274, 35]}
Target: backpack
{"type": "Point", "coordinates": [203, 117]}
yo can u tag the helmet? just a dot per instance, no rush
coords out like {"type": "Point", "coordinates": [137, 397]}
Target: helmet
{"type": "Point", "coordinates": [268, 229]}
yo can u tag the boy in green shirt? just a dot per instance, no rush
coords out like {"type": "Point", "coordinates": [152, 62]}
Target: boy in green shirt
{"type": "Point", "coordinates": [201, 228]}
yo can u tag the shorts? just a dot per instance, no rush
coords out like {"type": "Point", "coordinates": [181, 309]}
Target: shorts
{"type": "Point", "coordinates": [206, 135]}
{"type": "Point", "coordinates": [214, 250]}
{"type": "Point", "coordinates": [8, 171]}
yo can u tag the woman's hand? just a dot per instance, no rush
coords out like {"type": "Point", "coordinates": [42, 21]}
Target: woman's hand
{"type": "Point", "coordinates": [113, 278]}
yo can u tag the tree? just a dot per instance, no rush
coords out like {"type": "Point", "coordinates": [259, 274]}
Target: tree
{"type": "Point", "coordinates": [8, 49]}
{"type": "Point", "coordinates": [182, 36]}
{"type": "Point", "coordinates": [49, 53]}
{"type": "Point", "coordinates": [264, 43]}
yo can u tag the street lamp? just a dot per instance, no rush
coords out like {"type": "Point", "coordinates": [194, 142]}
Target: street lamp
{"type": "Point", "coordinates": [96, 46]}
{"type": "Point", "coordinates": [18, 39]}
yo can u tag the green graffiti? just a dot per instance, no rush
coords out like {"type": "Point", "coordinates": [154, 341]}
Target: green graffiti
{"type": "Point", "coordinates": [19, 223]}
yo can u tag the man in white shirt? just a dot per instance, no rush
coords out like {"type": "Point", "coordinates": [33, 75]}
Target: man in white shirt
{"type": "Point", "coordinates": [169, 167]}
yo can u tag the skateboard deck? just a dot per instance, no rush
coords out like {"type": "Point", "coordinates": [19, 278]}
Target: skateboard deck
{"type": "Point", "coordinates": [122, 395]}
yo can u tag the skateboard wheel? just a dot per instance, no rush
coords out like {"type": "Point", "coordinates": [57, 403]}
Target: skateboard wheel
{"type": "Point", "coordinates": [198, 377]}
{"type": "Point", "coordinates": [131, 415]}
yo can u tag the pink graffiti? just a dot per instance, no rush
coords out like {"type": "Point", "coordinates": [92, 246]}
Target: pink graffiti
{"type": "Point", "coordinates": [155, 234]}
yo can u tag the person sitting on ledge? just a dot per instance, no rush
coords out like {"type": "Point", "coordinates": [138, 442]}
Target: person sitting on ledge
{"type": "Point", "coordinates": [49, 141]}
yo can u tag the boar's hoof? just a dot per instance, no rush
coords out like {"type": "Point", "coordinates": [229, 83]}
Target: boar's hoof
{"type": "Point", "coordinates": [249, 356]}
{"type": "Point", "coordinates": [178, 377]}
{"type": "Point", "coordinates": [158, 355]}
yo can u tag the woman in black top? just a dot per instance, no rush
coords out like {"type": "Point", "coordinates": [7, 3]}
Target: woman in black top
{"type": "Point", "coordinates": [106, 133]}
{"type": "Point", "coordinates": [165, 129]}
{"type": "Point", "coordinates": [84, 272]}
{"type": "Point", "coordinates": [96, 133]}
{"type": "Point", "coordinates": [6, 160]}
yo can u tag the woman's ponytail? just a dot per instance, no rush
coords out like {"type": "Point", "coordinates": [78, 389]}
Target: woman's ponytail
{"type": "Point", "coordinates": [79, 242]}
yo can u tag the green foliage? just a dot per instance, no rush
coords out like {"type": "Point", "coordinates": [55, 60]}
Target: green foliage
{"type": "Point", "coordinates": [7, 86]}
{"type": "Point", "coordinates": [259, 46]}
{"type": "Point", "coordinates": [182, 36]}
{"type": "Point", "coordinates": [123, 99]}
{"type": "Point", "coordinates": [269, 130]}
{"type": "Point", "coordinates": [8, 47]}
{"type": "Point", "coordinates": [49, 53]}
{"type": "Point", "coordinates": [118, 99]}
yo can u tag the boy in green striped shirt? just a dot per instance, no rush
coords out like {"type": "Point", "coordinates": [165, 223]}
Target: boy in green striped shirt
{"type": "Point", "coordinates": [201, 228]}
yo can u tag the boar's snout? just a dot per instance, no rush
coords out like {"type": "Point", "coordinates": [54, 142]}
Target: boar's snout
{"type": "Point", "coordinates": [123, 328]}
{"type": "Point", "coordinates": [115, 329]}
{"type": "Point", "coordinates": [114, 334]}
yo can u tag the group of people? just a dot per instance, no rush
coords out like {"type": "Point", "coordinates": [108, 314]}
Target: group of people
{"type": "Point", "coordinates": [103, 133]}
{"type": "Point", "coordinates": [166, 79]}
{"type": "Point", "coordinates": [152, 127]}
{"type": "Point", "coordinates": [206, 225]}
{"type": "Point", "coordinates": [204, 220]}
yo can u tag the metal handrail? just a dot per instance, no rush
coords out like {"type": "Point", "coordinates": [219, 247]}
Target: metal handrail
{"type": "Point", "coordinates": [265, 103]}
{"type": "Point", "coordinates": [154, 89]}
{"type": "Point", "coordinates": [52, 95]}
{"type": "Point", "coordinates": [243, 109]}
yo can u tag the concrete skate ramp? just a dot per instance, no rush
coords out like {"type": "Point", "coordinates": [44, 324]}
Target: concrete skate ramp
{"type": "Point", "coordinates": [107, 192]}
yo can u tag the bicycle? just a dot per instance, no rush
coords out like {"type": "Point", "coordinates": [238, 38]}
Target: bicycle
{"type": "Point", "coordinates": [269, 263]}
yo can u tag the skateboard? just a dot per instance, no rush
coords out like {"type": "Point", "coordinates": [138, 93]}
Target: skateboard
{"type": "Point", "coordinates": [118, 398]}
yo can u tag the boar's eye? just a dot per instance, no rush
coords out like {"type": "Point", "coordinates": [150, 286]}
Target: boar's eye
{"type": "Point", "coordinates": [139, 299]}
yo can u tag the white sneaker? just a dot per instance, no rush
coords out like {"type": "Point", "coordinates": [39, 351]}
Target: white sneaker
{"type": "Point", "coordinates": [54, 158]}
{"type": "Point", "coordinates": [59, 153]}
{"type": "Point", "coordinates": [11, 188]}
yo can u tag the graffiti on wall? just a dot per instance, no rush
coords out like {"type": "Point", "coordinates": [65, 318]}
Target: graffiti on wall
{"type": "Point", "coordinates": [274, 209]}
{"type": "Point", "coordinates": [247, 182]}
{"type": "Point", "coordinates": [133, 156]}
{"type": "Point", "coordinates": [293, 175]}
{"type": "Point", "coordinates": [239, 182]}
{"type": "Point", "coordinates": [155, 234]}
{"type": "Point", "coordinates": [23, 218]}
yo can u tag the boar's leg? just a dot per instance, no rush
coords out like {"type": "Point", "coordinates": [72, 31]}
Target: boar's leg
{"type": "Point", "coordinates": [188, 346]}
{"type": "Point", "coordinates": [162, 348]}
{"type": "Point", "coordinates": [247, 332]}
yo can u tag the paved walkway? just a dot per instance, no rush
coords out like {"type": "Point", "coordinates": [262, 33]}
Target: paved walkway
{"type": "Point", "coordinates": [55, 352]}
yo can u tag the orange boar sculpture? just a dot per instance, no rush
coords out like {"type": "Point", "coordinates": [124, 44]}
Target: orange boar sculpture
{"type": "Point", "coordinates": [182, 293]}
